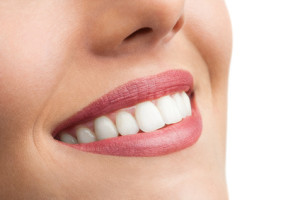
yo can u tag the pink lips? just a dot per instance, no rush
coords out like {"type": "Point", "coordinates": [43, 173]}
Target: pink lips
{"type": "Point", "coordinates": [160, 142]}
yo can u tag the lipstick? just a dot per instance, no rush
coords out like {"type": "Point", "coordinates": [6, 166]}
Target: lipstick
{"type": "Point", "coordinates": [170, 138]}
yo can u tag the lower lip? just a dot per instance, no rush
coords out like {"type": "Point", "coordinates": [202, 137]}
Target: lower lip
{"type": "Point", "coordinates": [164, 141]}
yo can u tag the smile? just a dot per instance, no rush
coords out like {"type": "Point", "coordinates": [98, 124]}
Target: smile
{"type": "Point", "coordinates": [149, 116]}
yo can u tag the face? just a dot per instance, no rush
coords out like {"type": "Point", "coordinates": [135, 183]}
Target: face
{"type": "Point", "coordinates": [64, 64]}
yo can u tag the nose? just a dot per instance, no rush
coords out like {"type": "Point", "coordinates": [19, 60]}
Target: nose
{"type": "Point", "coordinates": [123, 26]}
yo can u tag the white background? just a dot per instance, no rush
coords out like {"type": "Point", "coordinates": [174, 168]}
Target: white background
{"type": "Point", "coordinates": [263, 144]}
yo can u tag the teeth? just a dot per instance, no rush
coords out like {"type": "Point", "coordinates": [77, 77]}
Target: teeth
{"type": "Point", "coordinates": [148, 117]}
{"type": "Point", "coordinates": [105, 128]}
{"type": "Point", "coordinates": [187, 103]}
{"type": "Point", "coordinates": [180, 105]}
{"type": "Point", "coordinates": [168, 110]}
{"type": "Point", "coordinates": [67, 138]}
{"type": "Point", "coordinates": [126, 123]}
{"type": "Point", "coordinates": [85, 135]}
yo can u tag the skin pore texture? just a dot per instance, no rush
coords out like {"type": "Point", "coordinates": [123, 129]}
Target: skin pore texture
{"type": "Point", "coordinates": [56, 57]}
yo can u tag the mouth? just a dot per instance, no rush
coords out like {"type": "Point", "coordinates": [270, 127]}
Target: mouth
{"type": "Point", "coordinates": [150, 116]}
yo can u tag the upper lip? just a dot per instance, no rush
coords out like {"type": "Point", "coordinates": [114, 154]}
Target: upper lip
{"type": "Point", "coordinates": [131, 93]}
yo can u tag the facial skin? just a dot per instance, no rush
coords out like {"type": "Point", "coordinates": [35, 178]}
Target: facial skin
{"type": "Point", "coordinates": [58, 56]}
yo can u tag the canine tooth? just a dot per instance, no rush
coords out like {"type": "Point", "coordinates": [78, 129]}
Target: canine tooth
{"type": "Point", "coordinates": [126, 123]}
{"type": "Point", "coordinates": [168, 110]}
{"type": "Point", "coordinates": [180, 104]}
{"type": "Point", "coordinates": [85, 135]}
{"type": "Point", "coordinates": [187, 103]}
{"type": "Point", "coordinates": [67, 138]}
{"type": "Point", "coordinates": [105, 128]}
{"type": "Point", "coordinates": [148, 117]}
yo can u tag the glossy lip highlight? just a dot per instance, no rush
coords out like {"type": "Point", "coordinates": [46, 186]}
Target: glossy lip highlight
{"type": "Point", "coordinates": [166, 140]}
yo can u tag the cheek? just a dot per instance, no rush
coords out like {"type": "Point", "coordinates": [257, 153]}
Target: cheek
{"type": "Point", "coordinates": [31, 63]}
{"type": "Point", "coordinates": [208, 27]}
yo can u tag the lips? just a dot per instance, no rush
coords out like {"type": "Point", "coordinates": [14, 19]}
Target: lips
{"type": "Point", "coordinates": [168, 138]}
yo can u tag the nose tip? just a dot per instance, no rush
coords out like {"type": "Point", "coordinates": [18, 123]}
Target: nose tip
{"type": "Point", "coordinates": [134, 26]}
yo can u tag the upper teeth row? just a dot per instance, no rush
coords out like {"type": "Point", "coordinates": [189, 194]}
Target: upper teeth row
{"type": "Point", "coordinates": [148, 117]}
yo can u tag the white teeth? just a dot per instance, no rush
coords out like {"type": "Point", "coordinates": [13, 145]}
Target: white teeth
{"type": "Point", "coordinates": [85, 135]}
{"type": "Point", "coordinates": [168, 110]}
{"type": "Point", "coordinates": [126, 123]}
{"type": "Point", "coordinates": [180, 104]}
{"type": "Point", "coordinates": [187, 103]}
{"type": "Point", "coordinates": [105, 128]}
{"type": "Point", "coordinates": [148, 117]}
{"type": "Point", "coordinates": [67, 138]}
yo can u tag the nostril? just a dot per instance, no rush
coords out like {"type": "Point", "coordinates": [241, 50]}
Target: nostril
{"type": "Point", "coordinates": [178, 24]}
{"type": "Point", "coordinates": [139, 32]}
